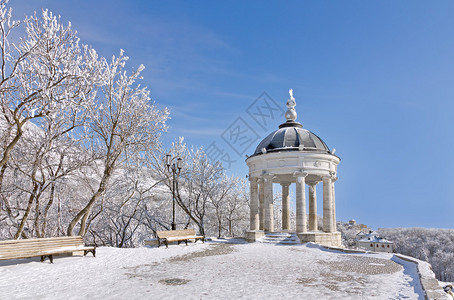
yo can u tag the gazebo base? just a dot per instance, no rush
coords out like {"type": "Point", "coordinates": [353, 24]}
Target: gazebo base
{"type": "Point", "coordinates": [254, 235]}
{"type": "Point", "coordinates": [330, 239]}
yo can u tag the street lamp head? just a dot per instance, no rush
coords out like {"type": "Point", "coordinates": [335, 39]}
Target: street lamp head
{"type": "Point", "coordinates": [179, 163]}
{"type": "Point", "coordinates": [168, 159]}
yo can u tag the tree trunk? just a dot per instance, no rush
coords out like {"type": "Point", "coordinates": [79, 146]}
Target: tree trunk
{"type": "Point", "coordinates": [9, 148]}
{"type": "Point", "coordinates": [85, 212]}
{"type": "Point", "coordinates": [27, 212]}
{"type": "Point", "coordinates": [47, 208]}
{"type": "Point", "coordinates": [219, 226]}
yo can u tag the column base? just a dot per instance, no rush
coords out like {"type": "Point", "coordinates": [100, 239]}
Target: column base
{"type": "Point", "coordinates": [330, 239]}
{"type": "Point", "coordinates": [254, 235]}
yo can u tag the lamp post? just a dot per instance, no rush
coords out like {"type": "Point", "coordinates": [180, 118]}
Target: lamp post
{"type": "Point", "coordinates": [176, 169]}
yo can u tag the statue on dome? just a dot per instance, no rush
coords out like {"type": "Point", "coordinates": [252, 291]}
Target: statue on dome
{"type": "Point", "coordinates": [291, 103]}
{"type": "Point", "coordinates": [290, 115]}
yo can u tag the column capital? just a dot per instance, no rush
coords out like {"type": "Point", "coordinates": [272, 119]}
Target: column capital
{"type": "Point", "coordinates": [253, 179]}
{"type": "Point", "coordinates": [285, 184]}
{"type": "Point", "coordinates": [313, 183]}
{"type": "Point", "coordinates": [267, 176]}
{"type": "Point", "coordinates": [300, 173]}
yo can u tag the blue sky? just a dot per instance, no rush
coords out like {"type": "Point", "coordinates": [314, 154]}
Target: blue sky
{"type": "Point", "coordinates": [373, 79]}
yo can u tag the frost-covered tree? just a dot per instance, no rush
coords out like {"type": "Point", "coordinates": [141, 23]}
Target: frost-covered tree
{"type": "Point", "coordinates": [45, 78]}
{"type": "Point", "coordinates": [206, 198]}
{"type": "Point", "coordinates": [219, 200]}
{"type": "Point", "coordinates": [43, 74]}
{"type": "Point", "coordinates": [44, 159]}
{"type": "Point", "coordinates": [119, 219]}
{"type": "Point", "coordinates": [435, 246]}
{"type": "Point", "coordinates": [237, 208]}
{"type": "Point", "coordinates": [123, 126]}
{"type": "Point", "coordinates": [77, 135]}
{"type": "Point", "coordinates": [196, 185]}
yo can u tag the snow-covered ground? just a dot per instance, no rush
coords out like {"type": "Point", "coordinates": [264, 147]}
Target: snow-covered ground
{"type": "Point", "coordinates": [213, 270]}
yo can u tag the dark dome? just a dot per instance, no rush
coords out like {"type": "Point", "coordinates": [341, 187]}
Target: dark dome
{"type": "Point", "coordinates": [291, 136]}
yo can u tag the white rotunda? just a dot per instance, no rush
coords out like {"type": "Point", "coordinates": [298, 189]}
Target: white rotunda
{"type": "Point", "coordinates": [289, 155]}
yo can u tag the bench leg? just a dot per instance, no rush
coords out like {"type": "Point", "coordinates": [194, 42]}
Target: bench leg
{"type": "Point", "coordinates": [161, 241]}
{"type": "Point", "coordinates": [186, 241]}
{"type": "Point", "coordinates": [92, 251]}
{"type": "Point", "coordinates": [51, 258]}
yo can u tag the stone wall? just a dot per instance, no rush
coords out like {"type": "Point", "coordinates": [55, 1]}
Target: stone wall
{"type": "Point", "coordinates": [330, 239]}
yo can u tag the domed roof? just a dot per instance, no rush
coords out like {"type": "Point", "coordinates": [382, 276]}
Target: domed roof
{"type": "Point", "coordinates": [291, 136]}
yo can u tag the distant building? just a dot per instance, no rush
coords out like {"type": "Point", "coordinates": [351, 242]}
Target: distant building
{"type": "Point", "coordinates": [373, 242]}
{"type": "Point", "coordinates": [363, 228]}
{"type": "Point", "coordinates": [355, 226]}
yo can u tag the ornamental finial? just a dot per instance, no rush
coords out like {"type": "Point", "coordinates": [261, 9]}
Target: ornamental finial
{"type": "Point", "coordinates": [290, 115]}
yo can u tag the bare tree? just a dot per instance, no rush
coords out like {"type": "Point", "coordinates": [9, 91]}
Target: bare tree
{"type": "Point", "coordinates": [237, 208]}
{"type": "Point", "coordinates": [220, 198]}
{"type": "Point", "coordinates": [198, 184]}
{"type": "Point", "coordinates": [46, 78]}
{"type": "Point", "coordinates": [42, 75]}
{"type": "Point", "coordinates": [122, 127]}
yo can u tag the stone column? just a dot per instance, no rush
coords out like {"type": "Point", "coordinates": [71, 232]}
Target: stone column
{"type": "Point", "coordinates": [301, 218]}
{"type": "Point", "coordinates": [313, 222]}
{"type": "Point", "coordinates": [261, 204]}
{"type": "Point", "coordinates": [334, 204]}
{"type": "Point", "coordinates": [327, 205]}
{"type": "Point", "coordinates": [285, 206]}
{"type": "Point", "coordinates": [269, 210]}
{"type": "Point", "coordinates": [254, 205]}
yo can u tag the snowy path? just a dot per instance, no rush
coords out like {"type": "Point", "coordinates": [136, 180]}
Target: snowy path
{"type": "Point", "coordinates": [211, 271]}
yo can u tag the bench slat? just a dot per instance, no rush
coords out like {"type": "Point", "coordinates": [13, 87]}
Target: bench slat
{"type": "Point", "coordinates": [175, 233]}
{"type": "Point", "coordinates": [12, 248]}
{"type": "Point", "coordinates": [177, 236]}
{"type": "Point", "coordinates": [61, 238]}
{"type": "Point", "coordinates": [40, 243]}
{"type": "Point", "coordinates": [182, 238]}
{"type": "Point", "coordinates": [42, 247]}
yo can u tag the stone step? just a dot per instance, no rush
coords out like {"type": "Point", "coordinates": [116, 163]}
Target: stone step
{"type": "Point", "coordinates": [279, 234]}
{"type": "Point", "coordinates": [280, 242]}
{"type": "Point", "coordinates": [280, 238]}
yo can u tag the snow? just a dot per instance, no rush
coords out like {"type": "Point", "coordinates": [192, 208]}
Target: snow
{"type": "Point", "coordinates": [411, 269]}
{"type": "Point", "coordinates": [214, 270]}
{"type": "Point", "coordinates": [188, 237]}
{"type": "Point", "coordinates": [68, 248]}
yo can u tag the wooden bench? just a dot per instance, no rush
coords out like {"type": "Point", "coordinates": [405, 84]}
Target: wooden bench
{"type": "Point", "coordinates": [177, 236]}
{"type": "Point", "coordinates": [44, 247]}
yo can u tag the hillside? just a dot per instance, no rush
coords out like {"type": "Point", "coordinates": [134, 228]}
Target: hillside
{"type": "Point", "coordinates": [213, 270]}
{"type": "Point", "coordinates": [433, 245]}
